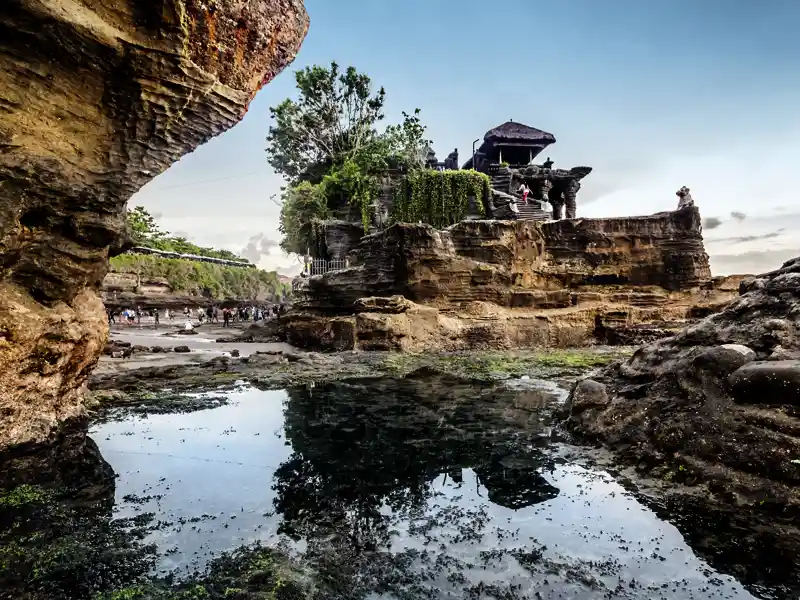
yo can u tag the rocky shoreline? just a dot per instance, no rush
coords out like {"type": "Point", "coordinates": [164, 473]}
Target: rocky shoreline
{"type": "Point", "coordinates": [712, 412]}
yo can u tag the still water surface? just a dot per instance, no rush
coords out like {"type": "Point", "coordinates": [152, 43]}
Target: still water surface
{"type": "Point", "coordinates": [402, 489]}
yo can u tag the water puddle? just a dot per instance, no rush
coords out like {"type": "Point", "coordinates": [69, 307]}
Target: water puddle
{"type": "Point", "coordinates": [394, 489]}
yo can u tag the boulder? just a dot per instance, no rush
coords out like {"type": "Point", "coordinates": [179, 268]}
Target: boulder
{"type": "Point", "coordinates": [182, 349]}
{"type": "Point", "coordinates": [767, 382]}
{"type": "Point", "coordinates": [99, 97]}
{"type": "Point", "coordinates": [586, 394]}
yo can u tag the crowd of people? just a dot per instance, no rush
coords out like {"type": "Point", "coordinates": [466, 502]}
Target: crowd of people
{"type": "Point", "coordinates": [208, 314]}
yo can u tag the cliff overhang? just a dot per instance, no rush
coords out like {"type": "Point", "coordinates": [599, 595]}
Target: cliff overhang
{"type": "Point", "coordinates": [96, 99]}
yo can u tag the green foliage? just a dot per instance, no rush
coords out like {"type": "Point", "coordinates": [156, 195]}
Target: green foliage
{"type": "Point", "coordinates": [351, 183]}
{"type": "Point", "coordinates": [331, 122]}
{"type": "Point", "coordinates": [440, 198]}
{"type": "Point", "coordinates": [218, 282]}
{"type": "Point", "coordinates": [303, 205]}
{"type": "Point", "coordinates": [327, 146]}
{"type": "Point", "coordinates": [145, 232]}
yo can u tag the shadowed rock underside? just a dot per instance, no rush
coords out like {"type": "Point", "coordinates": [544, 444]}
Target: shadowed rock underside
{"type": "Point", "coordinates": [97, 97]}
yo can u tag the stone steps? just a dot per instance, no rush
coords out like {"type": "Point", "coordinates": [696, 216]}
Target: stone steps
{"type": "Point", "coordinates": [530, 212]}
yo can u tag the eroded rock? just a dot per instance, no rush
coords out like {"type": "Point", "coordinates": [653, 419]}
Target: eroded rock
{"type": "Point", "coordinates": [97, 98]}
{"type": "Point", "coordinates": [708, 400]}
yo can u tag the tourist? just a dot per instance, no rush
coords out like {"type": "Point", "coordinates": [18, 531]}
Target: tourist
{"type": "Point", "coordinates": [226, 317]}
{"type": "Point", "coordinates": [139, 316]}
{"type": "Point", "coordinates": [524, 190]}
{"type": "Point", "coordinates": [155, 317]}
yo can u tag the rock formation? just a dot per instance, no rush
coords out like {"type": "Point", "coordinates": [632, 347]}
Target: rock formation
{"type": "Point", "coordinates": [715, 406]}
{"type": "Point", "coordinates": [97, 98]}
{"type": "Point", "coordinates": [509, 283]}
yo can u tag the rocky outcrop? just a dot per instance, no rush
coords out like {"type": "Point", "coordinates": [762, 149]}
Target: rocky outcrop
{"type": "Point", "coordinates": [714, 407]}
{"type": "Point", "coordinates": [664, 250]}
{"type": "Point", "coordinates": [96, 98]}
{"type": "Point", "coordinates": [512, 283]}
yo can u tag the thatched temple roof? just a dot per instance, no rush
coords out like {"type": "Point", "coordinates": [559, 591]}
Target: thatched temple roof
{"type": "Point", "coordinates": [529, 140]}
{"type": "Point", "coordinates": [519, 132]}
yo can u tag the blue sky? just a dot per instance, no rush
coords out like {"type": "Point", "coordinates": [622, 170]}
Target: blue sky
{"type": "Point", "coordinates": [652, 94]}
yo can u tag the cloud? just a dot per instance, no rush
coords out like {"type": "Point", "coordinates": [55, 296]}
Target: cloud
{"type": "Point", "coordinates": [753, 262]}
{"type": "Point", "coordinates": [712, 223]}
{"type": "Point", "coordinates": [291, 270]}
{"type": "Point", "coordinates": [257, 246]}
{"type": "Point", "coordinates": [748, 238]}
{"type": "Point", "coordinates": [739, 216]}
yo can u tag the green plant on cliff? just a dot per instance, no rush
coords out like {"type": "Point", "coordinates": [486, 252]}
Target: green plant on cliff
{"type": "Point", "coordinates": [303, 205]}
{"type": "Point", "coordinates": [326, 144]}
{"type": "Point", "coordinates": [439, 198]}
{"type": "Point", "coordinates": [201, 279]}
{"type": "Point", "coordinates": [144, 231]}
{"type": "Point", "coordinates": [332, 121]}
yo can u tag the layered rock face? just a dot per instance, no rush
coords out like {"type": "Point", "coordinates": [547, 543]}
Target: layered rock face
{"type": "Point", "coordinates": [510, 283]}
{"type": "Point", "coordinates": [716, 406]}
{"type": "Point", "coordinates": [96, 98]}
{"type": "Point", "coordinates": [665, 250]}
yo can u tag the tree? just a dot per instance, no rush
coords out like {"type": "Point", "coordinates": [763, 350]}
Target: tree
{"type": "Point", "coordinates": [303, 205]}
{"type": "Point", "coordinates": [332, 121]}
{"type": "Point", "coordinates": [406, 142]}
{"type": "Point", "coordinates": [143, 227]}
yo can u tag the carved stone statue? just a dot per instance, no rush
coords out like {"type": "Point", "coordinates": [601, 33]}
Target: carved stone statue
{"type": "Point", "coordinates": [451, 162]}
{"type": "Point", "coordinates": [430, 158]}
{"type": "Point", "coordinates": [684, 198]}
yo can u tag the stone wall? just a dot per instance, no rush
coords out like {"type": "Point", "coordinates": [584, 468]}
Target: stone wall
{"type": "Point", "coordinates": [510, 263]}
{"type": "Point", "coordinates": [96, 98]}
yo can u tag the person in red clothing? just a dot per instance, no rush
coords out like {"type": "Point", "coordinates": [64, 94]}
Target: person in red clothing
{"type": "Point", "coordinates": [524, 190]}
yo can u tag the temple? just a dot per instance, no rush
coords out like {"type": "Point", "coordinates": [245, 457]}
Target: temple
{"type": "Point", "coordinates": [512, 144]}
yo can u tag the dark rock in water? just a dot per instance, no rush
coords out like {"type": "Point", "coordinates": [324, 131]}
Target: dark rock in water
{"type": "Point", "coordinates": [587, 394]}
{"type": "Point", "coordinates": [98, 97]}
{"type": "Point", "coordinates": [139, 348]}
{"type": "Point", "coordinates": [157, 349]}
{"type": "Point", "coordinates": [235, 353]}
{"type": "Point", "coordinates": [768, 382]}
{"type": "Point", "coordinates": [710, 401]}
{"type": "Point", "coordinates": [182, 349]}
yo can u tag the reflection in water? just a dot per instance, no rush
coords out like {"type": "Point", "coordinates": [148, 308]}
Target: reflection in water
{"type": "Point", "coordinates": [357, 447]}
{"type": "Point", "coordinates": [410, 488]}
{"type": "Point", "coordinates": [57, 535]}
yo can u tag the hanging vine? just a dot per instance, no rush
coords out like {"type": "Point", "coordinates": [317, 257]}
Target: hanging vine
{"type": "Point", "coordinates": [439, 198]}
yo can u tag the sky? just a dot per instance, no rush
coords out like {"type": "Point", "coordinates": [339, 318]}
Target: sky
{"type": "Point", "coordinates": [653, 95]}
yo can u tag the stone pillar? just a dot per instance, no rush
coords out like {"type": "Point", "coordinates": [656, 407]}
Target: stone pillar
{"type": "Point", "coordinates": [570, 197]}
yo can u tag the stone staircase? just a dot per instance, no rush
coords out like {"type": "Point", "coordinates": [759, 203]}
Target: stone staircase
{"type": "Point", "coordinates": [501, 181]}
{"type": "Point", "coordinates": [532, 212]}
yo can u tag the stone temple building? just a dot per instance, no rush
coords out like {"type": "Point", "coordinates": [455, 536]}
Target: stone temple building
{"type": "Point", "coordinates": [507, 156]}
{"type": "Point", "coordinates": [511, 143]}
